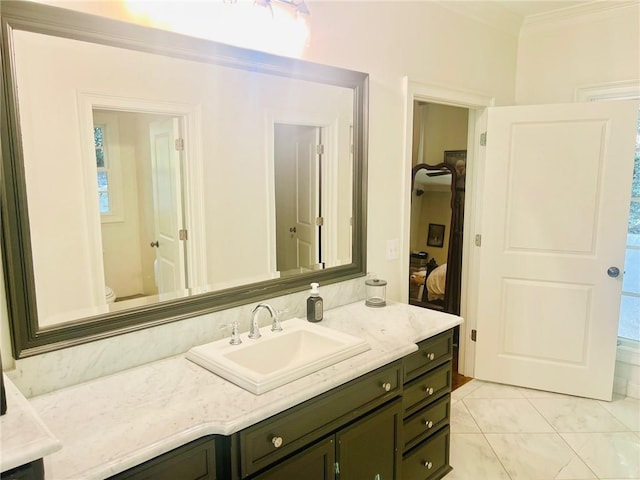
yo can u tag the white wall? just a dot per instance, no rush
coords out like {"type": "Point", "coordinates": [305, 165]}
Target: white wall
{"type": "Point", "coordinates": [388, 40]}
{"type": "Point", "coordinates": [557, 56]}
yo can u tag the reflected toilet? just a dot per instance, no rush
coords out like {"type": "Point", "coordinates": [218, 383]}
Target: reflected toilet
{"type": "Point", "coordinates": [109, 294]}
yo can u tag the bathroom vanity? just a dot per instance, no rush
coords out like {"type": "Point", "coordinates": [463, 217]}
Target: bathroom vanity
{"type": "Point", "coordinates": [381, 414]}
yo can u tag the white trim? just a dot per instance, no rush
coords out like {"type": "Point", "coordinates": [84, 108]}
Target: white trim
{"type": "Point", "coordinates": [488, 13]}
{"type": "Point", "coordinates": [194, 205]}
{"type": "Point", "coordinates": [622, 90]}
{"type": "Point", "coordinates": [476, 103]}
{"type": "Point", "coordinates": [576, 13]}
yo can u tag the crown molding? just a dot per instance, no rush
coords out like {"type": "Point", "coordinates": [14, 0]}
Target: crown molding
{"type": "Point", "coordinates": [576, 13]}
{"type": "Point", "coordinates": [488, 13]}
{"type": "Point", "coordinates": [502, 19]}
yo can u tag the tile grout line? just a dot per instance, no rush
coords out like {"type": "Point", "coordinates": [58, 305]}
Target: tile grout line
{"type": "Point", "coordinates": [559, 434]}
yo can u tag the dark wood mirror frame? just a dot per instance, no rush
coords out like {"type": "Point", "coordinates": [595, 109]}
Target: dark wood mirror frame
{"type": "Point", "coordinates": [27, 337]}
{"type": "Point", "coordinates": [454, 255]}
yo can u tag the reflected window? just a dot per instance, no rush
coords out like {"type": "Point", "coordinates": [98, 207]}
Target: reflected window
{"type": "Point", "coordinates": [103, 170]}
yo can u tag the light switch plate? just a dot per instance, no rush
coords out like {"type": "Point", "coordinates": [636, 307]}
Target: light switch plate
{"type": "Point", "coordinates": [393, 249]}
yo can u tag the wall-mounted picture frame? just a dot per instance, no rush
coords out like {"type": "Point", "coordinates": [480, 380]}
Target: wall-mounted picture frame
{"type": "Point", "coordinates": [458, 160]}
{"type": "Point", "coordinates": [435, 235]}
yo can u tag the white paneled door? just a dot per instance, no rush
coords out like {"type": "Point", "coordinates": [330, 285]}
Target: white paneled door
{"type": "Point", "coordinates": [297, 196]}
{"type": "Point", "coordinates": [557, 186]}
{"type": "Point", "coordinates": [167, 195]}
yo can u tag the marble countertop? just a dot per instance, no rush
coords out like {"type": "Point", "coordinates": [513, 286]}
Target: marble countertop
{"type": "Point", "coordinates": [115, 422]}
{"type": "Point", "coordinates": [23, 435]}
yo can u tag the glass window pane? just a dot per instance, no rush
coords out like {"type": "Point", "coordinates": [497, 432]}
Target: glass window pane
{"type": "Point", "coordinates": [631, 279]}
{"type": "Point", "coordinates": [98, 140]}
{"type": "Point", "coordinates": [103, 198]}
{"type": "Point", "coordinates": [635, 189]}
{"type": "Point", "coordinates": [103, 181]}
{"type": "Point", "coordinates": [634, 218]}
{"type": "Point", "coordinates": [630, 318]}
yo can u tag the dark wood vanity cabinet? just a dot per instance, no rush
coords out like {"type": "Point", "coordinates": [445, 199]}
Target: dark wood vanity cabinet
{"type": "Point", "coordinates": [390, 424]}
{"type": "Point", "coordinates": [365, 449]}
{"type": "Point", "coordinates": [426, 403]}
{"type": "Point", "coordinates": [351, 431]}
{"type": "Point", "coordinates": [193, 461]}
{"type": "Point", "coordinates": [30, 471]}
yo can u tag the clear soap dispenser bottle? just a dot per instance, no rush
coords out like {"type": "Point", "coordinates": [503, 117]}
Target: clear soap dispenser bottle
{"type": "Point", "coordinates": [314, 304]}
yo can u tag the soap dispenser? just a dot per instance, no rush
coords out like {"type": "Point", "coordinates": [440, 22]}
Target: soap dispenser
{"type": "Point", "coordinates": [314, 304]}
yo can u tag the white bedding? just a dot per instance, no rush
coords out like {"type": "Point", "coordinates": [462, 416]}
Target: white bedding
{"type": "Point", "coordinates": [436, 282]}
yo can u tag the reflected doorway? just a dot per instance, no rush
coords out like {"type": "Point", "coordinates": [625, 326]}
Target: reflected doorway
{"type": "Point", "coordinates": [298, 180]}
{"type": "Point", "coordinates": [140, 187]}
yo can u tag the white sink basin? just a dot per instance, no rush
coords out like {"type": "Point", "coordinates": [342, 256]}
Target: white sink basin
{"type": "Point", "coordinates": [277, 358]}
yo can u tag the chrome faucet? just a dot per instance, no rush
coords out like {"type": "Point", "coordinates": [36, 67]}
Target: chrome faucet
{"type": "Point", "coordinates": [255, 328]}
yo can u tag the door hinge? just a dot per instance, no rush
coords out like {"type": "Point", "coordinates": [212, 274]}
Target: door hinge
{"type": "Point", "coordinates": [183, 234]}
{"type": "Point", "coordinates": [319, 221]}
{"type": "Point", "coordinates": [337, 468]}
{"type": "Point", "coordinates": [474, 334]}
{"type": "Point", "coordinates": [320, 149]}
{"type": "Point", "coordinates": [483, 139]}
{"type": "Point", "coordinates": [478, 240]}
{"type": "Point", "coordinates": [179, 143]}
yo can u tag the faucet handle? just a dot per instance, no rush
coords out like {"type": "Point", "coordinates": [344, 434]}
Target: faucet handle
{"type": "Point", "coordinates": [235, 336]}
{"type": "Point", "coordinates": [275, 326]}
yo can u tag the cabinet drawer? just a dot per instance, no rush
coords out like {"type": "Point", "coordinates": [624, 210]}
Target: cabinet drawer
{"type": "Point", "coordinates": [431, 353]}
{"type": "Point", "coordinates": [429, 460]}
{"type": "Point", "coordinates": [425, 422]}
{"type": "Point", "coordinates": [282, 434]}
{"type": "Point", "coordinates": [427, 388]}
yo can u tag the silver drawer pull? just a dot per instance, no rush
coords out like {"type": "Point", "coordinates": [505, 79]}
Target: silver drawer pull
{"type": "Point", "coordinates": [386, 386]}
{"type": "Point", "coordinates": [428, 390]}
{"type": "Point", "coordinates": [428, 423]}
{"type": "Point", "coordinates": [428, 465]}
{"type": "Point", "coordinates": [277, 442]}
{"type": "Point", "coordinates": [430, 356]}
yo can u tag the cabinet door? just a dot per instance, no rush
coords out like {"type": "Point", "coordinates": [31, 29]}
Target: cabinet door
{"type": "Point", "coordinates": [193, 461]}
{"type": "Point", "coordinates": [368, 449]}
{"type": "Point", "coordinates": [314, 463]}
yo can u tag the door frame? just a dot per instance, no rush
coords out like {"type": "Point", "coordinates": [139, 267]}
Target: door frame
{"type": "Point", "coordinates": [476, 103]}
{"type": "Point", "coordinates": [194, 216]}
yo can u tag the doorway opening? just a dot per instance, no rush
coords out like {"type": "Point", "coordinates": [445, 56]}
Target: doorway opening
{"type": "Point", "coordinates": [140, 187]}
{"type": "Point", "coordinates": [439, 162]}
{"type": "Point", "coordinates": [298, 198]}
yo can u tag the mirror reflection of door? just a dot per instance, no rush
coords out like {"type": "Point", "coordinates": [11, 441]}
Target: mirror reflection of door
{"type": "Point", "coordinates": [141, 207]}
{"type": "Point", "coordinates": [297, 180]}
{"type": "Point", "coordinates": [166, 162]}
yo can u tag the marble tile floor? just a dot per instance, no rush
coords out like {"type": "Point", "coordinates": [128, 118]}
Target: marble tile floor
{"type": "Point", "coordinates": [511, 433]}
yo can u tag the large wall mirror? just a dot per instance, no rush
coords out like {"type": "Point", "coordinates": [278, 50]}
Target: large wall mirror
{"type": "Point", "coordinates": [149, 176]}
